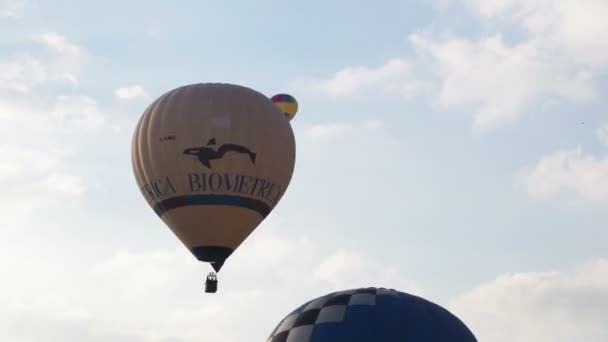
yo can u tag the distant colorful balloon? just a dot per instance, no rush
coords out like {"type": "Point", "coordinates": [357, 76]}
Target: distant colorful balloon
{"type": "Point", "coordinates": [287, 104]}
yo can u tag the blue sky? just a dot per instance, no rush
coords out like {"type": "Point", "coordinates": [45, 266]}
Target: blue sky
{"type": "Point", "coordinates": [454, 149]}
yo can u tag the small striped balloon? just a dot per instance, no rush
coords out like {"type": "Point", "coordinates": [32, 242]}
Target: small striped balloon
{"type": "Point", "coordinates": [287, 104]}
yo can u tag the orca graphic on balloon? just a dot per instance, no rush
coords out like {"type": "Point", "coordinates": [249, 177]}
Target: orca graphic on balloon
{"type": "Point", "coordinates": [206, 154]}
{"type": "Point", "coordinates": [212, 225]}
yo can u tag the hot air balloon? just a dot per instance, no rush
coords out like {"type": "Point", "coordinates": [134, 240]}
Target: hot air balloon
{"type": "Point", "coordinates": [370, 314]}
{"type": "Point", "coordinates": [213, 160]}
{"type": "Point", "coordinates": [287, 104]}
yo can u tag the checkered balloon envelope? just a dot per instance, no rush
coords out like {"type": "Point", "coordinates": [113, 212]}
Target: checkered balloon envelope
{"type": "Point", "coordinates": [370, 315]}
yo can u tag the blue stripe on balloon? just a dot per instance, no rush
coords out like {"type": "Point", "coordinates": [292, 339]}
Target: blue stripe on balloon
{"type": "Point", "coordinates": [212, 199]}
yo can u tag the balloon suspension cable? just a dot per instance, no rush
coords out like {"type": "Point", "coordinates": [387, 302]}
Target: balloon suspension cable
{"type": "Point", "coordinates": [211, 283]}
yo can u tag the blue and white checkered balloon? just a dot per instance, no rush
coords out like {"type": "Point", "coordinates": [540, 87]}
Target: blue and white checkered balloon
{"type": "Point", "coordinates": [371, 315]}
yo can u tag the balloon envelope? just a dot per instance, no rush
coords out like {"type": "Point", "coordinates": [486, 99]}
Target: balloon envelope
{"type": "Point", "coordinates": [213, 160]}
{"type": "Point", "coordinates": [370, 314]}
{"type": "Point", "coordinates": [287, 104]}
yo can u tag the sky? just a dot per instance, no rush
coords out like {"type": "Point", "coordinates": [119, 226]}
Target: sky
{"type": "Point", "coordinates": [452, 149]}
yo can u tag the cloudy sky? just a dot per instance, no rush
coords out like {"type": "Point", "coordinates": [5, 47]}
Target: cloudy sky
{"type": "Point", "coordinates": [453, 149]}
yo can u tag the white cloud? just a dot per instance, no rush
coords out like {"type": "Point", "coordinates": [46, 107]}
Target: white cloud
{"type": "Point", "coordinates": [55, 309]}
{"type": "Point", "coordinates": [539, 307]}
{"type": "Point", "coordinates": [80, 109]}
{"type": "Point", "coordinates": [566, 52]}
{"type": "Point", "coordinates": [499, 81]}
{"type": "Point", "coordinates": [361, 146]}
{"type": "Point", "coordinates": [569, 171]}
{"type": "Point", "coordinates": [339, 265]}
{"type": "Point", "coordinates": [32, 115]}
{"type": "Point", "coordinates": [602, 133]}
{"type": "Point", "coordinates": [112, 296]}
{"type": "Point", "coordinates": [66, 58]}
{"type": "Point", "coordinates": [571, 27]}
{"type": "Point", "coordinates": [62, 184]}
{"type": "Point", "coordinates": [350, 269]}
{"type": "Point", "coordinates": [32, 178]}
{"type": "Point", "coordinates": [392, 77]}
{"type": "Point", "coordinates": [130, 92]}
{"type": "Point", "coordinates": [34, 122]}
{"type": "Point", "coordinates": [350, 80]}
{"type": "Point", "coordinates": [335, 130]}
{"type": "Point", "coordinates": [60, 44]}
{"type": "Point", "coordinates": [441, 4]}
{"type": "Point", "coordinates": [25, 81]}
{"type": "Point", "coordinates": [21, 72]}
{"type": "Point", "coordinates": [11, 8]}
{"type": "Point", "coordinates": [560, 56]}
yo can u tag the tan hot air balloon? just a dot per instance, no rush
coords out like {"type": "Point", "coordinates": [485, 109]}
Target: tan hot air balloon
{"type": "Point", "coordinates": [213, 160]}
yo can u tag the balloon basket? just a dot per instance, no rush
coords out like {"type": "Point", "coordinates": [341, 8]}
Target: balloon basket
{"type": "Point", "coordinates": [211, 283]}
